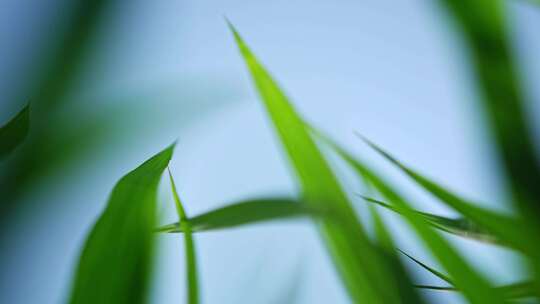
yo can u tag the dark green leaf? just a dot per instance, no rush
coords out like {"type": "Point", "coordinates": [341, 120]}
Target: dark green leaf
{"type": "Point", "coordinates": [244, 213]}
{"type": "Point", "coordinates": [116, 261]}
{"type": "Point", "coordinates": [191, 260]}
{"type": "Point", "coordinates": [361, 268]}
{"type": "Point", "coordinates": [13, 133]}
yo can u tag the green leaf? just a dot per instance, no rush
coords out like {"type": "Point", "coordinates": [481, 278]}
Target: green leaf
{"type": "Point", "coordinates": [511, 291]}
{"type": "Point", "coordinates": [435, 272]}
{"type": "Point", "coordinates": [474, 287]}
{"type": "Point", "coordinates": [458, 226]}
{"type": "Point", "coordinates": [245, 213]}
{"type": "Point", "coordinates": [359, 265]}
{"type": "Point", "coordinates": [116, 260]}
{"type": "Point", "coordinates": [191, 261]}
{"type": "Point", "coordinates": [483, 26]}
{"type": "Point", "coordinates": [509, 230]}
{"type": "Point", "coordinates": [387, 249]}
{"type": "Point", "coordinates": [13, 133]}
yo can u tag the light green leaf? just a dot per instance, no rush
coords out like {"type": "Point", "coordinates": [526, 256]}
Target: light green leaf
{"type": "Point", "coordinates": [13, 133]}
{"type": "Point", "coordinates": [474, 287]}
{"type": "Point", "coordinates": [362, 270]}
{"type": "Point", "coordinates": [245, 213]}
{"type": "Point", "coordinates": [116, 260]}
{"type": "Point", "coordinates": [191, 260]}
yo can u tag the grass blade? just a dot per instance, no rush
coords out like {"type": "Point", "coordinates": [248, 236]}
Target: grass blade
{"type": "Point", "coordinates": [387, 248]}
{"type": "Point", "coordinates": [13, 133]}
{"type": "Point", "coordinates": [191, 261]}
{"type": "Point", "coordinates": [359, 265]}
{"type": "Point", "coordinates": [511, 291]}
{"type": "Point", "coordinates": [435, 272]}
{"type": "Point", "coordinates": [458, 226]}
{"type": "Point", "coordinates": [115, 264]}
{"type": "Point", "coordinates": [245, 213]}
{"type": "Point", "coordinates": [511, 231]}
{"type": "Point", "coordinates": [474, 287]}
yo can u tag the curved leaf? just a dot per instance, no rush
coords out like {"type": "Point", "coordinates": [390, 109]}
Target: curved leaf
{"type": "Point", "coordinates": [244, 213]}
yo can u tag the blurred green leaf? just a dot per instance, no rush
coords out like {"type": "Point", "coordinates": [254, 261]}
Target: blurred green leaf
{"type": "Point", "coordinates": [363, 271]}
{"type": "Point", "coordinates": [474, 287]}
{"type": "Point", "coordinates": [244, 213]}
{"type": "Point", "coordinates": [14, 132]}
{"type": "Point", "coordinates": [191, 260]}
{"type": "Point", "coordinates": [116, 261]}
{"type": "Point", "coordinates": [459, 226]}
{"type": "Point", "coordinates": [484, 28]}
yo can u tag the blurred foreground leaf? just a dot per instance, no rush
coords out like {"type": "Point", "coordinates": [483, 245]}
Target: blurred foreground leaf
{"type": "Point", "coordinates": [116, 261]}
{"type": "Point", "coordinates": [245, 213]}
{"type": "Point", "coordinates": [191, 260]}
{"type": "Point", "coordinates": [365, 274]}
{"type": "Point", "coordinates": [13, 133]}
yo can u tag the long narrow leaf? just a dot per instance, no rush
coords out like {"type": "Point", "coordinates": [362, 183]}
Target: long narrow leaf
{"type": "Point", "coordinates": [511, 291]}
{"type": "Point", "coordinates": [191, 260]}
{"type": "Point", "coordinates": [361, 269]}
{"type": "Point", "coordinates": [474, 287]}
{"type": "Point", "coordinates": [245, 213]}
{"type": "Point", "coordinates": [458, 226]}
{"type": "Point", "coordinates": [13, 133]}
{"type": "Point", "coordinates": [115, 264]}
{"type": "Point", "coordinates": [509, 230]}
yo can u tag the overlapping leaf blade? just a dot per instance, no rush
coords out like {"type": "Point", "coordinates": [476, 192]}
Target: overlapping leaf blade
{"type": "Point", "coordinates": [366, 276]}
{"type": "Point", "coordinates": [245, 213]}
{"type": "Point", "coordinates": [115, 264]}
{"type": "Point", "coordinates": [463, 227]}
{"type": "Point", "coordinates": [509, 230]}
{"type": "Point", "coordinates": [474, 287]}
{"type": "Point", "coordinates": [13, 133]}
{"type": "Point", "coordinates": [518, 290]}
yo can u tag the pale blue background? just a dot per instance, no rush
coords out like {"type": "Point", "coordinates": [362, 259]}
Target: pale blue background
{"type": "Point", "coordinates": [393, 70]}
